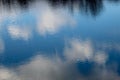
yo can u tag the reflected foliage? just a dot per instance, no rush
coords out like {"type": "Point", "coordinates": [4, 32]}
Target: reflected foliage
{"type": "Point", "coordinates": [9, 3]}
{"type": "Point", "coordinates": [114, 0]}
{"type": "Point", "coordinates": [93, 7]}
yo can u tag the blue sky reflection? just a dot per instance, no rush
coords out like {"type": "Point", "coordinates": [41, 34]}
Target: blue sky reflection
{"type": "Point", "coordinates": [49, 42]}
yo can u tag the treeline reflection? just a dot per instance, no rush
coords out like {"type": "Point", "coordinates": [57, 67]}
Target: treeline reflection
{"type": "Point", "coordinates": [93, 7]}
{"type": "Point", "coordinates": [87, 6]}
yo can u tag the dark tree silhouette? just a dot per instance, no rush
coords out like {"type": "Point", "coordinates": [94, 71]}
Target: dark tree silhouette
{"type": "Point", "coordinates": [93, 7]}
{"type": "Point", "coordinates": [87, 6]}
{"type": "Point", "coordinates": [22, 3]}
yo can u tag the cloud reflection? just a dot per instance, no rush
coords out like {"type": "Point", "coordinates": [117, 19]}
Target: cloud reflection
{"type": "Point", "coordinates": [19, 33]}
{"type": "Point", "coordinates": [100, 57]}
{"type": "Point", "coordinates": [9, 18]}
{"type": "Point", "coordinates": [78, 50]}
{"type": "Point", "coordinates": [7, 74]}
{"type": "Point", "coordinates": [42, 67]}
{"type": "Point", "coordinates": [50, 20]}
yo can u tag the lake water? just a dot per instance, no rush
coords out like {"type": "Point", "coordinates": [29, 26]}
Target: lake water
{"type": "Point", "coordinates": [60, 40]}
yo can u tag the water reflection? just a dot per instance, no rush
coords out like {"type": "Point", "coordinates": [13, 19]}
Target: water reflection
{"type": "Point", "coordinates": [93, 7]}
{"type": "Point", "coordinates": [19, 33]}
{"type": "Point", "coordinates": [41, 67]}
{"type": "Point", "coordinates": [46, 38]}
{"type": "Point", "coordinates": [51, 21]}
{"type": "Point", "coordinates": [10, 3]}
{"type": "Point", "coordinates": [114, 0]}
{"type": "Point", "coordinates": [2, 46]}
{"type": "Point", "coordinates": [78, 50]}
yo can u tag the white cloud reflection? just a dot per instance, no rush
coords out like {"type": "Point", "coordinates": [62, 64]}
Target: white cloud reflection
{"type": "Point", "coordinates": [44, 68]}
{"type": "Point", "coordinates": [100, 57]}
{"type": "Point", "coordinates": [78, 50]}
{"type": "Point", "coordinates": [17, 32]}
{"type": "Point", "coordinates": [7, 74]}
{"type": "Point", "coordinates": [8, 17]}
{"type": "Point", "coordinates": [49, 20]}
{"type": "Point", "coordinates": [52, 20]}
{"type": "Point", "coordinates": [40, 68]}
{"type": "Point", "coordinates": [54, 68]}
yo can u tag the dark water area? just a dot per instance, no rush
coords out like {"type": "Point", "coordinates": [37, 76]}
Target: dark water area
{"type": "Point", "coordinates": [59, 39]}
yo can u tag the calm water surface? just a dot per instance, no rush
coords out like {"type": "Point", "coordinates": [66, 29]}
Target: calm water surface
{"type": "Point", "coordinates": [60, 40]}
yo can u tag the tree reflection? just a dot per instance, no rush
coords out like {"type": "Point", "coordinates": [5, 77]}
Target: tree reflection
{"type": "Point", "coordinates": [92, 7]}
{"type": "Point", "coordinates": [9, 3]}
{"type": "Point", "coordinates": [114, 0]}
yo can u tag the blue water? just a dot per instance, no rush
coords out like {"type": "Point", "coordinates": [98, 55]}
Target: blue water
{"type": "Point", "coordinates": [60, 40]}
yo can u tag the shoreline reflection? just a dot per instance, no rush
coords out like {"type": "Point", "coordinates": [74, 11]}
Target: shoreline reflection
{"type": "Point", "coordinates": [92, 7]}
